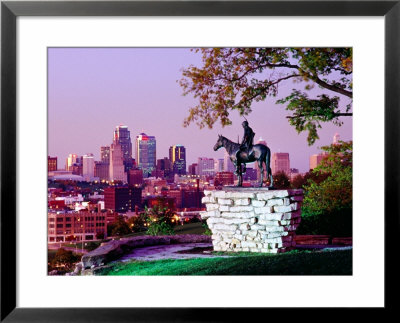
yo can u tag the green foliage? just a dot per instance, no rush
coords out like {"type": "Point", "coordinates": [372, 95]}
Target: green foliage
{"type": "Point", "coordinates": [233, 78]}
{"type": "Point", "coordinates": [159, 221]}
{"type": "Point", "coordinates": [137, 223]}
{"type": "Point", "coordinates": [335, 192]}
{"type": "Point", "coordinates": [336, 223]}
{"type": "Point", "coordinates": [281, 180]}
{"type": "Point", "coordinates": [327, 205]}
{"type": "Point", "coordinates": [160, 228]}
{"type": "Point", "coordinates": [207, 230]}
{"type": "Point", "coordinates": [300, 181]}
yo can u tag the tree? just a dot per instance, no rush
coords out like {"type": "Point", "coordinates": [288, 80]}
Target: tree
{"type": "Point", "coordinates": [281, 180]}
{"type": "Point", "coordinates": [233, 78]}
{"type": "Point", "coordinates": [137, 223]}
{"type": "Point", "coordinates": [119, 227]}
{"type": "Point", "coordinates": [159, 220]}
{"type": "Point", "coordinates": [327, 205]}
{"type": "Point", "coordinates": [300, 181]}
{"type": "Point", "coordinates": [335, 192]}
{"type": "Point", "coordinates": [64, 259]}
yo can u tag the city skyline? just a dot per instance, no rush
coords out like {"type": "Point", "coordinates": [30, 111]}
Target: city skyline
{"type": "Point", "coordinates": [137, 87]}
{"type": "Point", "coordinates": [335, 139]}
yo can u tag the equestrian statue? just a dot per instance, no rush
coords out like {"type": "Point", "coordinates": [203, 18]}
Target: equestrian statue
{"type": "Point", "coordinates": [246, 152]}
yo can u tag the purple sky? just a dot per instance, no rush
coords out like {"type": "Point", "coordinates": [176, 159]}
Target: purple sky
{"type": "Point", "coordinates": [92, 90]}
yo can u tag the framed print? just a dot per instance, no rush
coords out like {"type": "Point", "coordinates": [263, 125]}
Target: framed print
{"type": "Point", "coordinates": [52, 54]}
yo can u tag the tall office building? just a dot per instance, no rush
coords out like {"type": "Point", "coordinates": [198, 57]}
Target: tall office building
{"type": "Point", "coordinates": [163, 168]}
{"type": "Point", "coordinates": [219, 165]}
{"type": "Point", "coordinates": [280, 163]}
{"type": "Point", "coordinates": [71, 160]}
{"type": "Point", "coordinates": [316, 159]}
{"type": "Point", "coordinates": [122, 198]}
{"type": "Point", "coordinates": [177, 156]}
{"type": "Point", "coordinates": [117, 169]}
{"type": "Point", "coordinates": [205, 166]}
{"type": "Point", "coordinates": [88, 167]}
{"type": "Point", "coordinates": [145, 153]}
{"type": "Point", "coordinates": [228, 165]}
{"type": "Point", "coordinates": [105, 154]}
{"type": "Point", "coordinates": [101, 170]}
{"type": "Point", "coordinates": [193, 169]}
{"type": "Point", "coordinates": [123, 136]}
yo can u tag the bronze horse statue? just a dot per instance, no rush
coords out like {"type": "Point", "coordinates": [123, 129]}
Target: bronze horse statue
{"type": "Point", "coordinates": [257, 153]}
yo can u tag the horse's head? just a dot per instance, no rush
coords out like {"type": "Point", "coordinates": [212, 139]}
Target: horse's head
{"type": "Point", "coordinates": [219, 143]}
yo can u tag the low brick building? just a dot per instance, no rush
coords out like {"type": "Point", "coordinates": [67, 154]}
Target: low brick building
{"type": "Point", "coordinates": [75, 226]}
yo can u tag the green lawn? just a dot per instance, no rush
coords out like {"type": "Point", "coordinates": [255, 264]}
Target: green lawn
{"type": "Point", "coordinates": [190, 228]}
{"type": "Point", "coordinates": [338, 262]}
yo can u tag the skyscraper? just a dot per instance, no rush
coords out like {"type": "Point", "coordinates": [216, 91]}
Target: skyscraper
{"type": "Point", "coordinates": [219, 165]}
{"type": "Point", "coordinates": [122, 198]}
{"type": "Point", "coordinates": [71, 160]}
{"type": "Point", "coordinates": [177, 156]}
{"type": "Point", "coordinates": [228, 165]}
{"type": "Point", "coordinates": [280, 163]}
{"type": "Point", "coordinates": [205, 166]}
{"type": "Point", "coordinates": [88, 167]}
{"type": "Point", "coordinates": [101, 170]}
{"type": "Point", "coordinates": [117, 170]}
{"type": "Point", "coordinates": [192, 169]}
{"type": "Point", "coordinates": [316, 159]}
{"type": "Point", "coordinates": [164, 167]}
{"type": "Point", "coordinates": [123, 136]}
{"type": "Point", "coordinates": [145, 153]}
{"type": "Point", "coordinates": [105, 154]}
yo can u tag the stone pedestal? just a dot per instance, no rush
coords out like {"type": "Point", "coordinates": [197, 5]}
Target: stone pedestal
{"type": "Point", "coordinates": [253, 219]}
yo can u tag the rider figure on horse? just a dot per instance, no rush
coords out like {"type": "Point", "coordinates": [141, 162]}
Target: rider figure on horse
{"type": "Point", "coordinates": [247, 142]}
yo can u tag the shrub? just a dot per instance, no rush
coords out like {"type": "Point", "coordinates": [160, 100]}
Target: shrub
{"type": "Point", "coordinates": [281, 180]}
{"type": "Point", "coordinates": [137, 223]}
{"type": "Point", "coordinates": [159, 228]}
{"type": "Point", "coordinates": [159, 220]}
{"type": "Point", "coordinates": [207, 230]}
{"type": "Point", "coordinates": [327, 206]}
{"type": "Point", "coordinates": [119, 227]}
{"type": "Point", "coordinates": [64, 260]}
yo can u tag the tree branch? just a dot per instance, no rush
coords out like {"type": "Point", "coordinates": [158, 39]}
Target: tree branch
{"type": "Point", "coordinates": [331, 87]}
{"type": "Point", "coordinates": [340, 114]}
{"type": "Point", "coordinates": [263, 89]}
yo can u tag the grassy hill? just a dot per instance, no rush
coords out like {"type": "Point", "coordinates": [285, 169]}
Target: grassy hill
{"type": "Point", "coordinates": [335, 262]}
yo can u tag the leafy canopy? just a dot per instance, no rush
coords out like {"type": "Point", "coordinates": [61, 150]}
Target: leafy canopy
{"type": "Point", "coordinates": [233, 78]}
{"type": "Point", "coordinates": [335, 193]}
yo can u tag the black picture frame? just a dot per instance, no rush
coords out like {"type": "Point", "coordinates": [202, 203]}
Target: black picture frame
{"type": "Point", "coordinates": [10, 10]}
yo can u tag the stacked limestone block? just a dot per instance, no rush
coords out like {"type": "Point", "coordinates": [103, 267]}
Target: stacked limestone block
{"type": "Point", "coordinates": [255, 220]}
